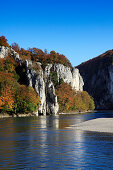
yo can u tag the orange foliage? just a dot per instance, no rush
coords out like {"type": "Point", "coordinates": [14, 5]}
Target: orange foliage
{"type": "Point", "coordinates": [15, 47]}
{"type": "Point", "coordinates": [65, 96]}
{"type": "Point", "coordinates": [3, 41]}
{"type": "Point", "coordinates": [26, 99]}
{"type": "Point", "coordinates": [44, 58]}
{"type": "Point", "coordinates": [2, 64]}
{"type": "Point", "coordinates": [15, 97]}
{"type": "Point", "coordinates": [71, 101]}
{"type": "Point", "coordinates": [27, 93]}
{"type": "Point", "coordinates": [25, 54]}
{"type": "Point", "coordinates": [8, 65]}
{"type": "Point", "coordinates": [7, 99]}
{"type": "Point", "coordinates": [6, 91]}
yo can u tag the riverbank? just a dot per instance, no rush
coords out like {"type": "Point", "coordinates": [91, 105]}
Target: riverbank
{"type": "Point", "coordinates": [78, 112]}
{"type": "Point", "coordinates": [5, 115]}
{"type": "Point", "coordinates": [97, 125]}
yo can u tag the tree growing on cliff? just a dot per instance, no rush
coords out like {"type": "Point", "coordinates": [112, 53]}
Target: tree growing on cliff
{"type": "Point", "coordinates": [15, 47]}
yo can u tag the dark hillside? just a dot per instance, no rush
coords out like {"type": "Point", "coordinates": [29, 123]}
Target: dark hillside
{"type": "Point", "coordinates": [97, 76]}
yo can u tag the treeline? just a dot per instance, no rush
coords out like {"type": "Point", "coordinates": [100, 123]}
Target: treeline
{"type": "Point", "coordinates": [98, 63]}
{"type": "Point", "coordinates": [37, 55]}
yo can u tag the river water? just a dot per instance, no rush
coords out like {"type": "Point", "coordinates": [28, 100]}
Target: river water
{"type": "Point", "coordinates": [46, 143]}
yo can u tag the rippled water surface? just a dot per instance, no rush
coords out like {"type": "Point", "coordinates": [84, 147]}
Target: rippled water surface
{"type": "Point", "coordinates": [47, 143]}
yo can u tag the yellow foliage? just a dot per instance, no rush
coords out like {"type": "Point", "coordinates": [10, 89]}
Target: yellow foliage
{"type": "Point", "coordinates": [70, 100]}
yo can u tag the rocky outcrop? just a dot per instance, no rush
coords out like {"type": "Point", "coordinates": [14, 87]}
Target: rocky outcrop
{"type": "Point", "coordinates": [40, 80]}
{"type": "Point", "coordinates": [36, 80]}
{"type": "Point", "coordinates": [44, 88]}
{"type": "Point", "coordinates": [69, 76]}
{"type": "Point", "coordinates": [52, 103]}
{"type": "Point", "coordinates": [5, 51]}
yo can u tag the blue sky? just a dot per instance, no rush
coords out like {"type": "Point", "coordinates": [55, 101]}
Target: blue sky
{"type": "Point", "coordinates": [79, 29]}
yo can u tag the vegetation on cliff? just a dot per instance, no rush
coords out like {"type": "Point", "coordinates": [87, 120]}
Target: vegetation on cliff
{"type": "Point", "coordinates": [70, 101]}
{"type": "Point", "coordinates": [16, 97]}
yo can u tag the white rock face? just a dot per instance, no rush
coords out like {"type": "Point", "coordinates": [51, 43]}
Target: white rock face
{"type": "Point", "coordinates": [44, 88]}
{"type": "Point", "coordinates": [47, 70]}
{"type": "Point", "coordinates": [52, 104]}
{"type": "Point", "coordinates": [40, 89]}
{"type": "Point", "coordinates": [71, 77]}
{"type": "Point", "coordinates": [36, 80]}
{"type": "Point", "coordinates": [77, 81]}
{"type": "Point", "coordinates": [15, 54]}
{"type": "Point", "coordinates": [4, 51]}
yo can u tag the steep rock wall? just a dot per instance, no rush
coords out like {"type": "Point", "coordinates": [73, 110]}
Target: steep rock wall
{"type": "Point", "coordinates": [69, 76]}
{"type": "Point", "coordinates": [98, 79]}
{"type": "Point", "coordinates": [5, 51]}
{"type": "Point", "coordinates": [40, 80]}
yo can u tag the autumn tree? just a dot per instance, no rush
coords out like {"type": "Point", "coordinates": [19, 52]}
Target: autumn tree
{"type": "Point", "coordinates": [65, 97]}
{"type": "Point", "coordinates": [15, 98]}
{"type": "Point", "coordinates": [25, 54]}
{"type": "Point", "coordinates": [26, 100]}
{"type": "Point", "coordinates": [7, 84]}
{"type": "Point", "coordinates": [8, 65]}
{"type": "Point", "coordinates": [69, 100]}
{"type": "Point", "coordinates": [15, 47]}
{"type": "Point", "coordinates": [3, 41]}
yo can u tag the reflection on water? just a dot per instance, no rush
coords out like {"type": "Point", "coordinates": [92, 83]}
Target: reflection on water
{"type": "Point", "coordinates": [46, 143]}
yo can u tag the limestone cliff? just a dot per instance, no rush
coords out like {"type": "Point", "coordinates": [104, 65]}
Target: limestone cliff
{"type": "Point", "coordinates": [71, 77]}
{"type": "Point", "coordinates": [39, 78]}
{"type": "Point", "coordinates": [98, 79]}
{"type": "Point", "coordinates": [4, 51]}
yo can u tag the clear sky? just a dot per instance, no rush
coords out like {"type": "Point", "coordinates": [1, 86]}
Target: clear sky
{"type": "Point", "coordinates": [79, 29]}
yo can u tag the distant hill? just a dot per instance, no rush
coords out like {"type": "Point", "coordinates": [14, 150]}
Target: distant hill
{"type": "Point", "coordinates": [97, 75]}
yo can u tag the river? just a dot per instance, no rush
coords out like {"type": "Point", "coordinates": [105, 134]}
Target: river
{"type": "Point", "coordinates": [45, 142]}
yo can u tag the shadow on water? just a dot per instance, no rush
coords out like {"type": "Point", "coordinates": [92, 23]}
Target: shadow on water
{"type": "Point", "coordinates": [45, 143]}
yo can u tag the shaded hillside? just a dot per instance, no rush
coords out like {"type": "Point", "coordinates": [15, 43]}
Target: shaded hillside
{"type": "Point", "coordinates": [97, 76]}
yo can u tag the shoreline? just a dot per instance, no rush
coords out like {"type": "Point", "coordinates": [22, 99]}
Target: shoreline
{"type": "Point", "coordinates": [95, 125]}
{"type": "Point", "coordinates": [6, 115]}
{"type": "Point", "coordinates": [77, 112]}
